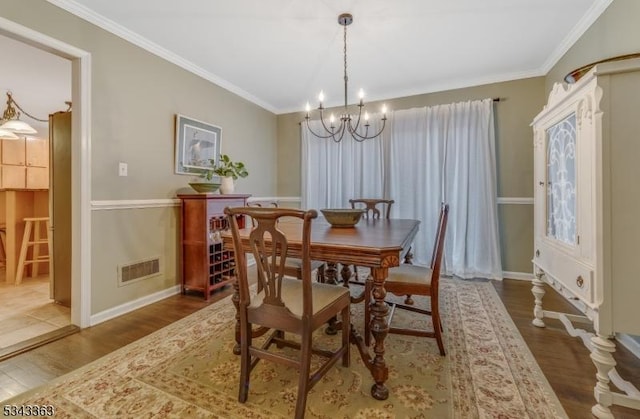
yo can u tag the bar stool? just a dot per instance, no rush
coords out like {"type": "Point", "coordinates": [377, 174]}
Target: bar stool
{"type": "Point", "coordinates": [34, 225]}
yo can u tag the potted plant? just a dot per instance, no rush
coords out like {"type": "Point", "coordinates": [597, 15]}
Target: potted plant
{"type": "Point", "coordinates": [229, 171]}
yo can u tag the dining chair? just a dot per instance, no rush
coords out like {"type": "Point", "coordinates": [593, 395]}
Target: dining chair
{"type": "Point", "coordinates": [284, 305]}
{"type": "Point", "coordinates": [407, 280]}
{"type": "Point", "coordinates": [374, 209]}
{"type": "Point", "coordinates": [293, 266]}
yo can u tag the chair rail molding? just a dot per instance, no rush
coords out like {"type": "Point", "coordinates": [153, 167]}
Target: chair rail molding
{"type": "Point", "coordinates": [506, 200]}
{"type": "Point", "coordinates": [133, 204]}
{"type": "Point", "coordinates": [119, 204]}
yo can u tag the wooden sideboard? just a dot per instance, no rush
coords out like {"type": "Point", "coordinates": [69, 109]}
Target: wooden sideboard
{"type": "Point", "coordinates": [206, 265]}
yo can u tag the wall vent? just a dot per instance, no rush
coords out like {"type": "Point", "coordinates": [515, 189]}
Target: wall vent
{"type": "Point", "coordinates": [137, 271]}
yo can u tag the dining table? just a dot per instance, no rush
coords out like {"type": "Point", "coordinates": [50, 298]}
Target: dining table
{"type": "Point", "coordinates": [378, 244]}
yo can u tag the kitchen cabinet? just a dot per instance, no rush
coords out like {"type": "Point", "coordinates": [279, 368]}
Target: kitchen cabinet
{"type": "Point", "coordinates": [24, 164]}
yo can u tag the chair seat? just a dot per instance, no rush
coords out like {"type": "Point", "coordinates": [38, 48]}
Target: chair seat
{"type": "Point", "coordinates": [407, 280]}
{"type": "Point", "coordinates": [409, 274]}
{"type": "Point", "coordinates": [297, 263]}
{"type": "Point", "coordinates": [322, 296]}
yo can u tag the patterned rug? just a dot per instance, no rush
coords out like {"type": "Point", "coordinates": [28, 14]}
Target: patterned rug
{"type": "Point", "coordinates": [187, 370]}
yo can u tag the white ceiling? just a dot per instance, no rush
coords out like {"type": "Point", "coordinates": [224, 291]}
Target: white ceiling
{"type": "Point", "coordinates": [40, 82]}
{"type": "Point", "coordinates": [280, 53]}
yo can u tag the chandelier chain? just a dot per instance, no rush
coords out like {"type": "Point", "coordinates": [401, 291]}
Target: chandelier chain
{"type": "Point", "coordinates": [10, 113]}
{"type": "Point", "coordinates": [346, 78]}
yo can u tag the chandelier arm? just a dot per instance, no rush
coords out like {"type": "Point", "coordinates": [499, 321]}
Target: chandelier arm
{"type": "Point", "coordinates": [324, 137]}
{"type": "Point", "coordinates": [369, 137]}
{"type": "Point", "coordinates": [342, 131]}
{"type": "Point", "coordinates": [330, 129]}
{"type": "Point", "coordinates": [353, 129]}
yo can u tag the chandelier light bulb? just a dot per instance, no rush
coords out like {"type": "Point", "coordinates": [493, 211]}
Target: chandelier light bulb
{"type": "Point", "coordinates": [366, 116]}
{"type": "Point", "coordinates": [384, 110]}
{"type": "Point", "coordinates": [361, 94]}
{"type": "Point", "coordinates": [332, 119]}
{"type": "Point", "coordinates": [308, 108]}
{"type": "Point", "coordinates": [321, 96]}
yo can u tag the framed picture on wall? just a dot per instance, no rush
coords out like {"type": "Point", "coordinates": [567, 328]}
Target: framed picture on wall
{"type": "Point", "coordinates": [196, 143]}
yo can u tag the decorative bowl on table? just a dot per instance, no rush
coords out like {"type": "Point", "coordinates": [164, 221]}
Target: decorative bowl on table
{"type": "Point", "coordinates": [342, 217]}
{"type": "Point", "coordinates": [204, 187]}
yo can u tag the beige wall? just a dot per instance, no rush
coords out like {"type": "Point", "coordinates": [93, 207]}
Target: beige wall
{"type": "Point", "coordinates": [520, 101]}
{"type": "Point", "coordinates": [135, 96]}
{"type": "Point", "coordinates": [616, 32]}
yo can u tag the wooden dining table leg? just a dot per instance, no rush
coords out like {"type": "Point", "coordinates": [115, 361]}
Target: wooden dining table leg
{"type": "Point", "coordinates": [379, 330]}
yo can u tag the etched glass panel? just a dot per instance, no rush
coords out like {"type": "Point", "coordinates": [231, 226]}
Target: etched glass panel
{"type": "Point", "coordinates": [561, 180]}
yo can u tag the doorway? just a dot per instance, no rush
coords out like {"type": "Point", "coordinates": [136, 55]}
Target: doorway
{"type": "Point", "coordinates": [40, 83]}
{"type": "Point", "coordinates": [79, 188]}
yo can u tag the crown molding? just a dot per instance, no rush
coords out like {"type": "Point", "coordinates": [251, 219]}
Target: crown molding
{"type": "Point", "coordinates": [85, 13]}
{"type": "Point", "coordinates": [594, 12]}
{"type": "Point", "coordinates": [108, 25]}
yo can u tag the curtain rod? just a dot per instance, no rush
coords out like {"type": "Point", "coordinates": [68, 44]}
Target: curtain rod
{"type": "Point", "coordinates": [495, 99]}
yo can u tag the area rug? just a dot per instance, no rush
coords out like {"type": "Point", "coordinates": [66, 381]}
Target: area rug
{"type": "Point", "coordinates": [187, 370]}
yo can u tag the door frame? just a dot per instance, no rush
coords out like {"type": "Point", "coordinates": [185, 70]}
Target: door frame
{"type": "Point", "coordinates": [80, 161]}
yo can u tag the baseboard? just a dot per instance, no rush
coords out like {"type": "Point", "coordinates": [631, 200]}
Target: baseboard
{"type": "Point", "coordinates": [133, 305]}
{"type": "Point", "coordinates": [630, 343]}
{"type": "Point", "coordinates": [521, 276]}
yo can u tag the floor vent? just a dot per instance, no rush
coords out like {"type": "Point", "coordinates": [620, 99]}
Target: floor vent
{"type": "Point", "coordinates": [138, 271]}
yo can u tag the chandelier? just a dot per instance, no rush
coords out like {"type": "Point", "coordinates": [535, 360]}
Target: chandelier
{"type": "Point", "coordinates": [11, 127]}
{"type": "Point", "coordinates": [347, 123]}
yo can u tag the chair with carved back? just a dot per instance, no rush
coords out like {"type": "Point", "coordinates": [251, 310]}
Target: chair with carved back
{"type": "Point", "coordinates": [284, 305]}
{"type": "Point", "coordinates": [408, 280]}
{"type": "Point", "coordinates": [374, 209]}
{"type": "Point", "coordinates": [293, 266]}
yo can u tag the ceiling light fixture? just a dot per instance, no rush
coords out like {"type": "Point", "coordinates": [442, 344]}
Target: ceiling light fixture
{"type": "Point", "coordinates": [11, 119]}
{"type": "Point", "coordinates": [7, 135]}
{"type": "Point", "coordinates": [347, 121]}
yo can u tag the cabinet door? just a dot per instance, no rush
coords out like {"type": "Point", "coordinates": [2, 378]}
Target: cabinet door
{"type": "Point", "coordinates": [37, 178]}
{"type": "Point", "coordinates": [561, 181]}
{"type": "Point", "coordinates": [37, 152]}
{"type": "Point", "coordinates": [13, 177]}
{"type": "Point", "coordinates": [13, 152]}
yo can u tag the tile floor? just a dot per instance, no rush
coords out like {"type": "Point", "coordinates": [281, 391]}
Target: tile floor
{"type": "Point", "coordinates": [26, 310]}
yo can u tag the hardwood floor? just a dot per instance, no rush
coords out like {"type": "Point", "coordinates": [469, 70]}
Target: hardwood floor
{"type": "Point", "coordinates": [563, 359]}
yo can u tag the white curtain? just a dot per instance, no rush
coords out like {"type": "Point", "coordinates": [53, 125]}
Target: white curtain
{"type": "Point", "coordinates": [446, 153]}
{"type": "Point", "coordinates": [428, 155]}
{"type": "Point", "coordinates": [334, 172]}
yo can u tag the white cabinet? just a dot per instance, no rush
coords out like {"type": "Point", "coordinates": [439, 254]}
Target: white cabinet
{"type": "Point", "coordinates": [587, 204]}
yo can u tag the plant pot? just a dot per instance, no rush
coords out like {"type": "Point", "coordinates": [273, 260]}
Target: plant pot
{"type": "Point", "coordinates": [227, 185]}
{"type": "Point", "coordinates": [204, 187]}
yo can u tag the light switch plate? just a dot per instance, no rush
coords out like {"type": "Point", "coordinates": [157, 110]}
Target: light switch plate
{"type": "Point", "coordinates": [122, 169]}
